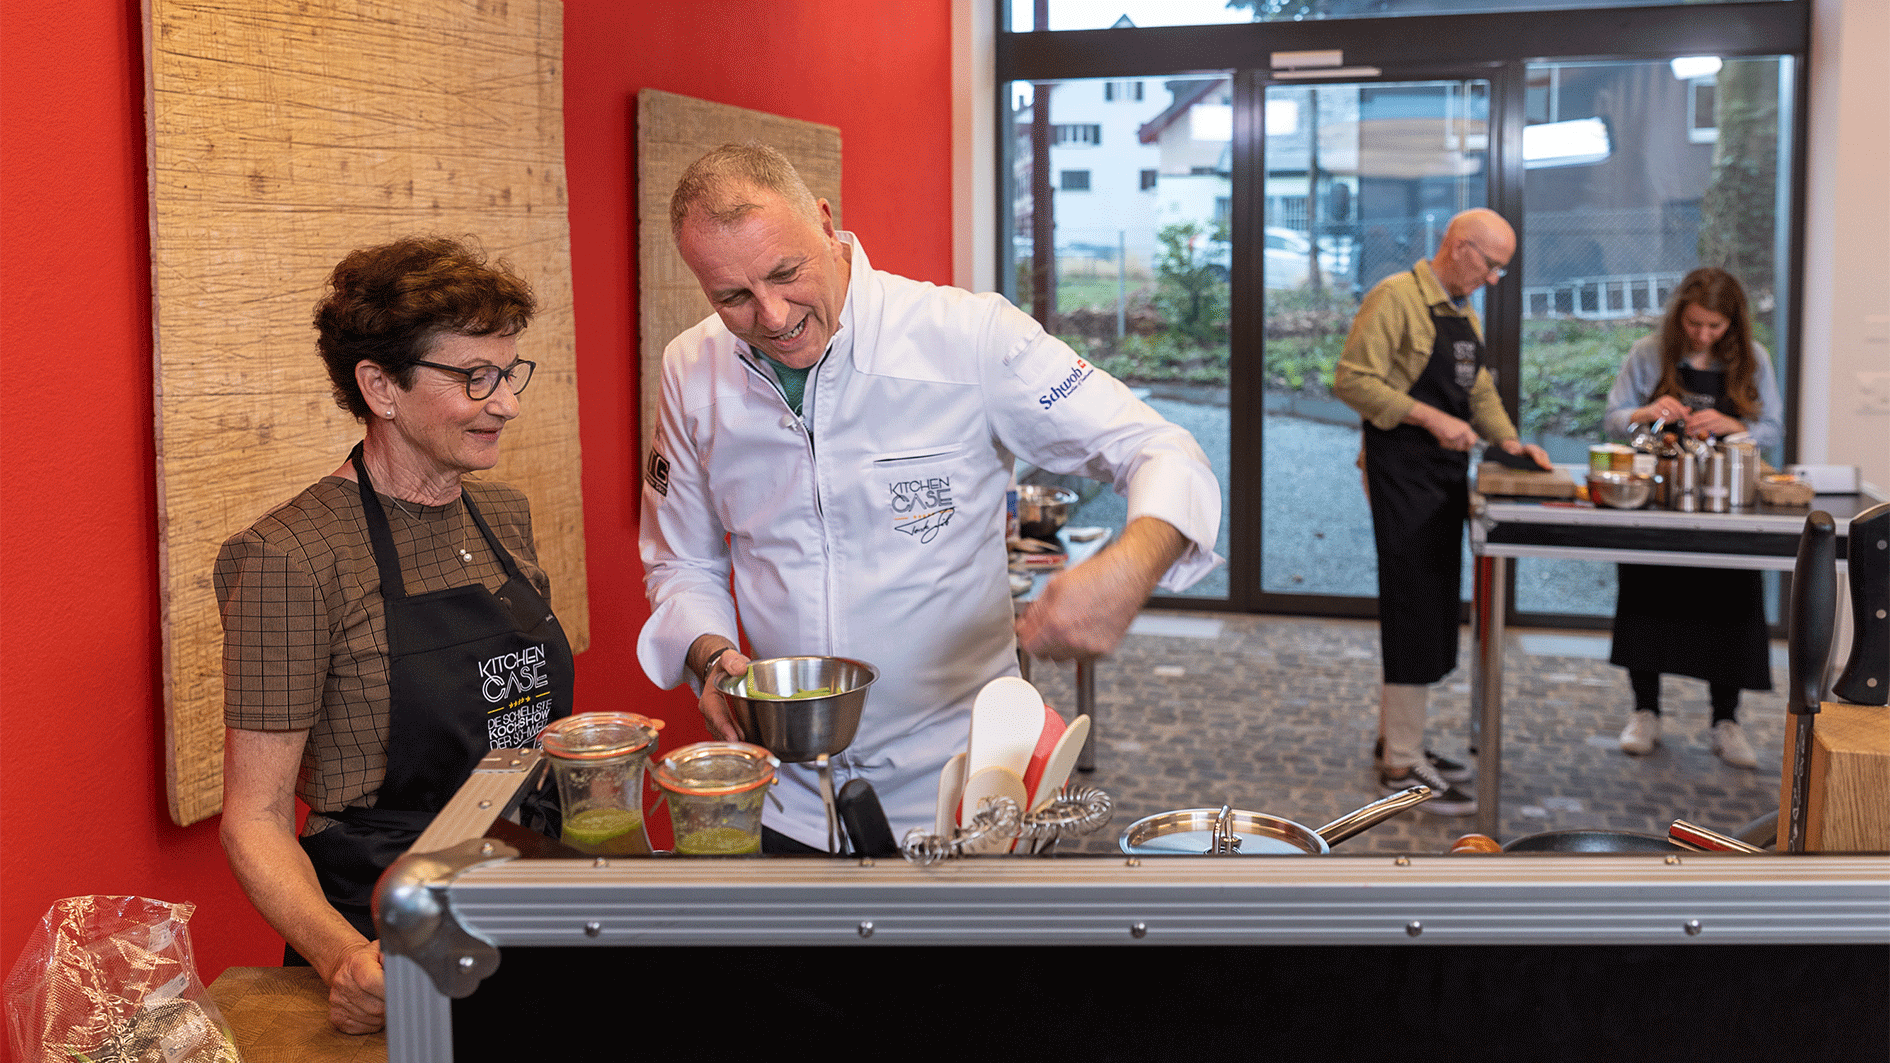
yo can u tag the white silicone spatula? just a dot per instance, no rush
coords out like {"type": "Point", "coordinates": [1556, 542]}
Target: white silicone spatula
{"type": "Point", "coordinates": [1056, 770]}
{"type": "Point", "coordinates": [1006, 719]}
{"type": "Point", "coordinates": [951, 787]}
{"type": "Point", "coordinates": [992, 782]}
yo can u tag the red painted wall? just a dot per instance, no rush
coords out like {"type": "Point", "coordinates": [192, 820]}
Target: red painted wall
{"type": "Point", "coordinates": [82, 806]}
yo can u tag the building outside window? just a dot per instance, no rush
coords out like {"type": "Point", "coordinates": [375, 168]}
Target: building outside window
{"type": "Point", "coordinates": [1079, 134]}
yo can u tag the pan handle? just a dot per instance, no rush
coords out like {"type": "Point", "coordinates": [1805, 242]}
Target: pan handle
{"type": "Point", "coordinates": [1695, 836]}
{"type": "Point", "coordinates": [1373, 814]}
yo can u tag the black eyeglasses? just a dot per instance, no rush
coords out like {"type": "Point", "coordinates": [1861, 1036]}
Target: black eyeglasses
{"type": "Point", "coordinates": [1489, 263]}
{"type": "Point", "coordinates": [483, 380]}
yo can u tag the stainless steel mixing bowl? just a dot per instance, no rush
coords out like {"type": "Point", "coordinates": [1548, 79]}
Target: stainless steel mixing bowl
{"type": "Point", "coordinates": [1619, 490]}
{"type": "Point", "coordinates": [799, 729]}
{"type": "Point", "coordinates": [1043, 510]}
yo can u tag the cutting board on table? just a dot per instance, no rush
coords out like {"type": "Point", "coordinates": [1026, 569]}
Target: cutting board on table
{"type": "Point", "coordinates": [1497, 481]}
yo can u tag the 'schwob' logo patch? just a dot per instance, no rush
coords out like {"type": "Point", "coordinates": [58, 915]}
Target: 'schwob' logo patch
{"type": "Point", "coordinates": [656, 473]}
{"type": "Point", "coordinates": [921, 508]}
{"type": "Point", "coordinates": [1079, 373]}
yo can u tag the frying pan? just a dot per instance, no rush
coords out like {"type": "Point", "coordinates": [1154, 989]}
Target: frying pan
{"type": "Point", "coordinates": [1593, 841]}
{"type": "Point", "coordinates": [1224, 830]}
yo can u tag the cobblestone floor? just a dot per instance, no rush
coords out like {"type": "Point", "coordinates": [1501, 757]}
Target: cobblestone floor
{"type": "Point", "coordinates": [1278, 715]}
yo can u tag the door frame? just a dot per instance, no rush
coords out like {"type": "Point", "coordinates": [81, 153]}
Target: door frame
{"type": "Point", "coordinates": [1247, 342]}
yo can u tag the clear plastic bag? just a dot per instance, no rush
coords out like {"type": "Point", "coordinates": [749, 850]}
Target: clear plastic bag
{"type": "Point", "coordinates": [113, 980]}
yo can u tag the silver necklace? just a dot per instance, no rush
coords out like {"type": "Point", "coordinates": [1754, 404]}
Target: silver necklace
{"type": "Point", "coordinates": [465, 558]}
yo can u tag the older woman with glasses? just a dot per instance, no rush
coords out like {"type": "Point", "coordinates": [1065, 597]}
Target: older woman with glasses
{"type": "Point", "coordinates": [389, 625]}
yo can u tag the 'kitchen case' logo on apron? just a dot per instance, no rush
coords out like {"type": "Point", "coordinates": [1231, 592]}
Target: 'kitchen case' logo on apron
{"type": "Point", "coordinates": [520, 697]}
{"type": "Point", "coordinates": [509, 681]}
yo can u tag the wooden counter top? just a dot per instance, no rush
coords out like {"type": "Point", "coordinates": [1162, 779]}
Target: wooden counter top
{"type": "Point", "coordinates": [280, 1015]}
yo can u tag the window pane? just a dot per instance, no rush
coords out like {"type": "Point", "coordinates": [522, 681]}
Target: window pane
{"type": "Point", "coordinates": [1361, 180]}
{"type": "Point", "coordinates": [1686, 173]}
{"type": "Point", "coordinates": [1119, 14]}
{"type": "Point", "coordinates": [1124, 251]}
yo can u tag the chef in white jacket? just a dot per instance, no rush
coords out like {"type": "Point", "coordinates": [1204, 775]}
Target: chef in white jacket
{"type": "Point", "coordinates": [840, 440]}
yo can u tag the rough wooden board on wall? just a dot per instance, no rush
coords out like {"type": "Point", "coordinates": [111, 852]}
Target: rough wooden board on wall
{"type": "Point", "coordinates": [672, 132]}
{"type": "Point", "coordinates": [281, 136]}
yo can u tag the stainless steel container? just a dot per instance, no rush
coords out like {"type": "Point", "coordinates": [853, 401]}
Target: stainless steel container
{"type": "Point", "coordinates": [1684, 495]}
{"type": "Point", "coordinates": [1716, 483]}
{"type": "Point", "coordinates": [1742, 472]}
{"type": "Point", "coordinates": [1682, 488]}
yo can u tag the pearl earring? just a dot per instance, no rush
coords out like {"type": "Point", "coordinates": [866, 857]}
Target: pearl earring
{"type": "Point", "coordinates": [390, 413]}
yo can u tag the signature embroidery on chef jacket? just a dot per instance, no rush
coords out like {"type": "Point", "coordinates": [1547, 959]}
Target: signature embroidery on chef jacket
{"type": "Point", "coordinates": [921, 508]}
{"type": "Point", "coordinates": [1465, 353]}
{"type": "Point", "coordinates": [656, 473]}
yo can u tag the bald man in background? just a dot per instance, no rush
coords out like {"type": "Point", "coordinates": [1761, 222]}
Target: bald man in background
{"type": "Point", "coordinates": [1413, 369]}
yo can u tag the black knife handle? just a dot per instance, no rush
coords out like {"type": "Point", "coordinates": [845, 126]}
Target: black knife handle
{"type": "Point", "coordinates": [1866, 678]}
{"type": "Point", "coordinates": [1814, 609]}
{"type": "Point", "coordinates": [865, 820]}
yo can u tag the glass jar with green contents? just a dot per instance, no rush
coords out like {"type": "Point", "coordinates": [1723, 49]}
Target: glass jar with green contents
{"type": "Point", "coordinates": [715, 791]}
{"type": "Point", "coordinates": [599, 759]}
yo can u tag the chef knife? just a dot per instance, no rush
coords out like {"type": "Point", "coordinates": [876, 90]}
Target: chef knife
{"type": "Point", "coordinates": [865, 820]}
{"type": "Point", "coordinates": [1808, 650]}
{"type": "Point", "coordinates": [1866, 678]}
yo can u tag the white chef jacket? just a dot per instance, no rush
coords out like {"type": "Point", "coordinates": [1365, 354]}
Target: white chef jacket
{"type": "Point", "coordinates": [872, 526]}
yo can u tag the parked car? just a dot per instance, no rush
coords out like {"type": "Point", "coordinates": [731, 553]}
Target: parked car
{"type": "Point", "coordinates": [1288, 258]}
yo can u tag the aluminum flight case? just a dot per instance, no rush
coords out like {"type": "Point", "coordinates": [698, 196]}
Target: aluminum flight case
{"type": "Point", "coordinates": [1066, 956]}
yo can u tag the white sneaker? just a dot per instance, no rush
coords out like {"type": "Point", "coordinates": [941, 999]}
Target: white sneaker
{"type": "Point", "coordinates": [1642, 733]}
{"type": "Point", "coordinates": [1729, 741]}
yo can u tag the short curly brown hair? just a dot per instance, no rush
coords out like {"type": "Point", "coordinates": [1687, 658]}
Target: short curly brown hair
{"type": "Point", "coordinates": [390, 304]}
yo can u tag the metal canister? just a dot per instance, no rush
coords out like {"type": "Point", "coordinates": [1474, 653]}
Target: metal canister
{"type": "Point", "coordinates": [1683, 484]}
{"type": "Point", "coordinates": [1742, 471]}
{"type": "Point", "coordinates": [1667, 459]}
{"type": "Point", "coordinates": [1716, 483]}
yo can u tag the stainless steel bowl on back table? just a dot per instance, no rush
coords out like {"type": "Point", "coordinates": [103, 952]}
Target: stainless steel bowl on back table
{"type": "Point", "coordinates": [1043, 510]}
{"type": "Point", "coordinates": [1619, 490]}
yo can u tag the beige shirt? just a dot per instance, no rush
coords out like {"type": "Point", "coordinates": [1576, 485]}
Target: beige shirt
{"type": "Point", "coordinates": [1389, 345]}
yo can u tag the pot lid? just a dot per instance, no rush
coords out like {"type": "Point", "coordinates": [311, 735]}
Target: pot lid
{"type": "Point", "coordinates": [1193, 832]}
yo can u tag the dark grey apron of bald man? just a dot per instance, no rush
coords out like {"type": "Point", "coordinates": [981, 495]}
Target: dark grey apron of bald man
{"type": "Point", "coordinates": [1420, 494]}
{"type": "Point", "coordinates": [469, 671]}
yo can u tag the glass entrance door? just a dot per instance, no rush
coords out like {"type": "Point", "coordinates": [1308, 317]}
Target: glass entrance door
{"type": "Point", "coordinates": [1359, 181]}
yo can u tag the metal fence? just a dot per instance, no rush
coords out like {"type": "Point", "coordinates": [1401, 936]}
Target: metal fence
{"type": "Point", "coordinates": [1601, 298]}
{"type": "Point", "coordinates": [1600, 265]}
{"type": "Point", "coordinates": [1607, 264]}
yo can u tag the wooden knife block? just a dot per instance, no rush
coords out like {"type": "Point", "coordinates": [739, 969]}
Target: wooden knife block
{"type": "Point", "coordinates": [1848, 806]}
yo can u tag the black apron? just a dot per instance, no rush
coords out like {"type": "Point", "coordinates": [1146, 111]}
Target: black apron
{"type": "Point", "coordinates": [469, 671]}
{"type": "Point", "coordinates": [1706, 623]}
{"type": "Point", "coordinates": [1420, 495]}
